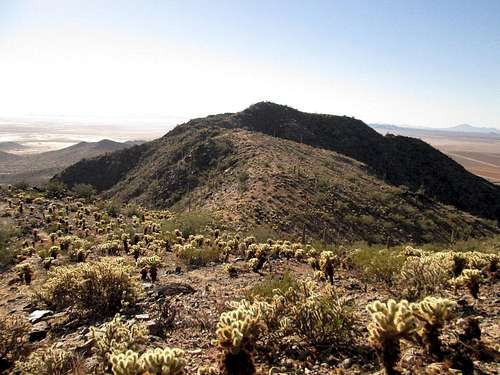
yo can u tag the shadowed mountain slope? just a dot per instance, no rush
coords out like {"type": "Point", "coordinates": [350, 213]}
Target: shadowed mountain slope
{"type": "Point", "coordinates": [398, 160]}
{"type": "Point", "coordinates": [35, 168]}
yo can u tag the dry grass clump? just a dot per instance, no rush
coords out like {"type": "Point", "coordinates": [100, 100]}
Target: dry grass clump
{"type": "Point", "coordinates": [100, 288]}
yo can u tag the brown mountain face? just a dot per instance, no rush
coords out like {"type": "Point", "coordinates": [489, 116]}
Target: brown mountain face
{"type": "Point", "coordinates": [329, 176]}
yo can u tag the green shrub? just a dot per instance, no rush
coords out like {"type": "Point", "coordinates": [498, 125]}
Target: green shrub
{"type": "Point", "coordinates": [55, 189]}
{"type": "Point", "coordinates": [191, 223]}
{"type": "Point", "coordinates": [378, 264]}
{"type": "Point", "coordinates": [99, 288]}
{"type": "Point", "coordinates": [243, 180]}
{"type": "Point", "coordinates": [86, 191]}
{"type": "Point", "coordinates": [271, 284]}
{"type": "Point", "coordinates": [262, 233]}
{"type": "Point", "coordinates": [321, 318]}
{"type": "Point", "coordinates": [198, 257]}
{"type": "Point", "coordinates": [113, 208]}
{"type": "Point", "coordinates": [21, 185]}
{"type": "Point", "coordinates": [133, 209]}
{"type": "Point", "coordinates": [7, 231]}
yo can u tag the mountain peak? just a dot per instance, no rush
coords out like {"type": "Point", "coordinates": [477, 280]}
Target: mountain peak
{"type": "Point", "coordinates": [267, 105]}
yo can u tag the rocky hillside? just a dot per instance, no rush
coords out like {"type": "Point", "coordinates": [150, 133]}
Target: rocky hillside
{"type": "Point", "coordinates": [326, 176]}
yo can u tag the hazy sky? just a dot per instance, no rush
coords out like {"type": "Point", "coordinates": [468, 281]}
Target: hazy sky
{"type": "Point", "coordinates": [427, 63]}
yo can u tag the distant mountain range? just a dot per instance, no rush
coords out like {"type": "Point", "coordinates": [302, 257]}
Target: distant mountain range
{"type": "Point", "coordinates": [471, 129]}
{"type": "Point", "coordinates": [11, 146]}
{"type": "Point", "coordinates": [330, 176]}
{"type": "Point", "coordinates": [464, 128]}
{"type": "Point", "coordinates": [35, 168]}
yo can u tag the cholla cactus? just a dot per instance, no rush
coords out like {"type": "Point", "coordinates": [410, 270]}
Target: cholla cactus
{"type": "Point", "coordinates": [411, 251]}
{"type": "Point", "coordinates": [319, 275]}
{"type": "Point", "coordinates": [471, 279]}
{"type": "Point", "coordinates": [25, 273]}
{"type": "Point", "coordinates": [251, 250]}
{"type": "Point", "coordinates": [391, 322]}
{"type": "Point", "coordinates": [150, 264]}
{"type": "Point", "coordinates": [314, 263]}
{"type": "Point", "coordinates": [154, 362]}
{"type": "Point", "coordinates": [231, 270]}
{"type": "Point", "coordinates": [46, 361]}
{"type": "Point", "coordinates": [459, 263]}
{"type": "Point", "coordinates": [432, 313]}
{"type": "Point", "coordinates": [164, 361]}
{"type": "Point", "coordinates": [300, 254]}
{"type": "Point", "coordinates": [125, 238]}
{"type": "Point", "coordinates": [207, 370]}
{"type": "Point", "coordinates": [236, 333]}
{"type": "Point", "coordinates": [425, 275]}
{"type": "Point", "coordinates": [256, 264]}
{"type": "Point", "coordinates": [53, 251]}
{"type": "Point", "coordinates": [249, 240]}
{"type": "Point", "coordinates": [117, 336]}
{"type": "Point", "coordinates": [439, 368]}
{"type": "Point", "coordinates": [136, 251]}
{"type": "Point", "coordinates": [326, 263]}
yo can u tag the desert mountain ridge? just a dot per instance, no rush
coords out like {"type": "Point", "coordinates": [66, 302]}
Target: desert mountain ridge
{"type": "Point", "coordinates": [274, 165]}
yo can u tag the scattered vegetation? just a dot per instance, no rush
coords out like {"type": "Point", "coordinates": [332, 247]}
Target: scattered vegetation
{"type": "Point", "coordinates": [149, 282]}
